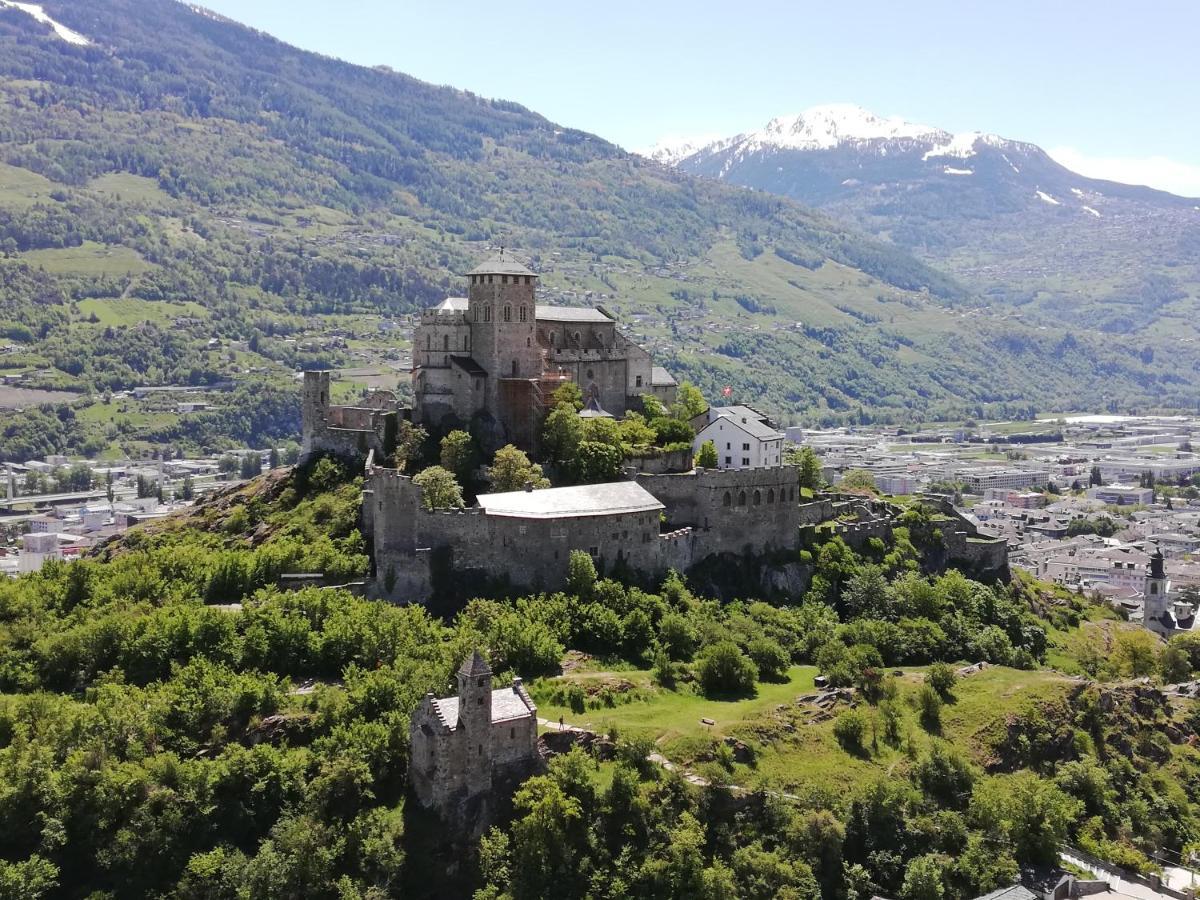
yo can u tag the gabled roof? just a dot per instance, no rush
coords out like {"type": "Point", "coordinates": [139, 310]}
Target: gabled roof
{"type": "Point", "coordinates": [451, 304]}
{"type": "Point", "coordinates": [1016, 892]}
{"type": "Point", "coordinates": [501, 264]}
{"type": "Point", "coordinates": [753, 427]}
{"type": "Point", "coordinates": [660, 377]}
{"type": "Point", "coordinates": [594, 410]}
{"type": "Point", "coordinates": [610, 498]}
{"type": "Point", "coordinates": [583, 314]}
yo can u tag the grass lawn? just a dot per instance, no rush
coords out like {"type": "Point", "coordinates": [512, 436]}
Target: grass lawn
{"type": "Point", "coordinates": [133, 311]}
{"type": "Point", "coordinates": [89, 258]}
{"type": "Point", "coordinates": [129, 187]}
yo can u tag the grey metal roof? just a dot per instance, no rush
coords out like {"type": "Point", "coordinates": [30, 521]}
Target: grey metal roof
{"type": "Point", "coordinates": [594, 410]}
{"type": "Point", "coordinates": [501, 264]}
{"type": "Point", "coordinates": [608, 499]}
{"type": "Point", "coordinates": [547, 313]}
{"type": "Point", "coordinates": [660, 377]}
{"type": "Point", "coordinates": [451, 304]}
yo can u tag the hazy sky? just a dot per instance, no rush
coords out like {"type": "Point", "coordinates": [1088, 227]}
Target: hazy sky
{"type": "Point", "coordinates": [1110, 88]}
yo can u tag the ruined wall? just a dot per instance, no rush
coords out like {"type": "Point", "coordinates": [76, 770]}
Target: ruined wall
{"type": "Point", "coordinates": [350, 432]}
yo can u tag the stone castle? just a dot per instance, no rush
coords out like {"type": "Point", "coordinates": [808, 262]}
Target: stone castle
{"type": "Point", "coordinates": [468, 748]}
{"type": "Point", "coordinates": [489, 362]}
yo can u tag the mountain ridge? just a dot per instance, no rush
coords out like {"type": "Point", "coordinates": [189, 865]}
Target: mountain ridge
{"type": "Point", "coordinates": [184, 161]}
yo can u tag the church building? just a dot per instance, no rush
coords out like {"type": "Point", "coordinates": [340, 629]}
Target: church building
{"type": "Point", "coordinates": [496, 356]}
{"type": "Point", "coordinates": [467, 746]}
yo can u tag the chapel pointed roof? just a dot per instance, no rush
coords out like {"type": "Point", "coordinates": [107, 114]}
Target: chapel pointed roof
{"type": "Point", "coordinates": [475, 665]}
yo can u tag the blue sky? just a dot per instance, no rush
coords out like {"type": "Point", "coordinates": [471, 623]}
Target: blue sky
{"type": "Point", "coordinates": [1111, 88]}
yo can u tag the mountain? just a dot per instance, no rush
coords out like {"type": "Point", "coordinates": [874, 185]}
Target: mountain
{"type": "Point", "coordinates": [1000, 215]}
{"type": "Point", "coordinates": [184, 200]}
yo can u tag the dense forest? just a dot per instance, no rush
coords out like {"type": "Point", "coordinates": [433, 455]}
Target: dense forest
{"type": "Point", "coordinates": [173, 725]}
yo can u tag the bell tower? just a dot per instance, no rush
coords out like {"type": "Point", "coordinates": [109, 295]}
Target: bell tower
{"type": "Point", "coordinates": [501, 313]}
{"type": "Point", "coordinates": [475, 721]}
{"type": "Point", "coordinates": [1155, 597]}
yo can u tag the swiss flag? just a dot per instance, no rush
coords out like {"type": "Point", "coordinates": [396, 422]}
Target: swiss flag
{"type": "Point", "coordinates": [727, 391]}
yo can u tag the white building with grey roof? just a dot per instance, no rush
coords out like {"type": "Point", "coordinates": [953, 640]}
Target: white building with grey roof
{"type": "Point", "coordinates": [744, 438]}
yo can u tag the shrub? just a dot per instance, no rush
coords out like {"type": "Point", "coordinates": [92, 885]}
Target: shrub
{"type": "Point", "coordinates": [941, 678]}
{"type": "Point", "coordinates": [770, 659]}
{"type": "Point", "coordinates": [929, 708]}
{"type": "Point", "coordinates": [724, 669]}
{"type": "Point", "coordinates": [849, 730]}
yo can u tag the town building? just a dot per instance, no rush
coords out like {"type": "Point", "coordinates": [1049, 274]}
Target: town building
{"type": "Point", "coordinates": [1122, 494]}
{"type": "Point", "coordinates": [468, 748]}
{"type": "Point", "coordinates": [980, 480]}
{"type": "Point", "coordinates": [743, 437]}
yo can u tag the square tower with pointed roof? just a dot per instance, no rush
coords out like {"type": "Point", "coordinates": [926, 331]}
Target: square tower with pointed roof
{"type": "Point", "coordinates": [467, 746]}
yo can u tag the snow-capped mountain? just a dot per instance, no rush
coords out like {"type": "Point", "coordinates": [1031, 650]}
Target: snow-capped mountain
{"type": "Point", "coordinates": [1000, 214]}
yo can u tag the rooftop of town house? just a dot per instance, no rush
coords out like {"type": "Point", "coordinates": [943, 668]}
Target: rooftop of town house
{"type": "Point", "coordinates": [610, 498]}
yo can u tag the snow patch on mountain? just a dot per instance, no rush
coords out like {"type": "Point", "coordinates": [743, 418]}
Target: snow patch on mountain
{"type": "Point", "coordinates": [673, 148]}
{"type": "Point", "coordinates": [1077, 192]}
{"type": "Point", "coordinates": [71, 37]}
{"type": "Point", "coordinates": [950, 170]}
{"type": "Point", "coordinates": [1048, 198]}
{"type": "Point", "coordinates": [828, 126]}
{"type": "Point", "coordinates": [1092, 211]}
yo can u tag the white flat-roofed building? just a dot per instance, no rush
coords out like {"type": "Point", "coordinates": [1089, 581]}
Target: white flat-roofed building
{"type": "Point", "coordinates": [1122, 494]}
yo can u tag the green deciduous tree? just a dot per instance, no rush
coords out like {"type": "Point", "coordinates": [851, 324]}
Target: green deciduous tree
{"type": "Point", "coordinates": [439, 488]}
{"type": "Point", "coordinates": [723, 668]}
{"type": "Point", "coordinates": [707, 457]}
{"type": "Point", "coordinates": [511, 470]}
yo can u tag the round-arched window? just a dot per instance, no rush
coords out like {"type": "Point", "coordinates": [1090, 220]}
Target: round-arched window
{"type": "Point", "coordinates": [742, 498]}
{"type": "Point", "coordinates": [728, 501]}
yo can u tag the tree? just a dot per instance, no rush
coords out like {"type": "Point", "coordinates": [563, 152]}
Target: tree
{"type": "Point", "coordinates": [671, 431]}
{"type": "Point", "coordinates": [1095, 479]}
{"type": "Point", "coordinates": [723, 668]}
{"type": "Point", "coordinates": [458, 455]}
{"type": "Point", "coordinates": [929, 708]}
{"type": "Point", "coordinates": [187, 491]}
{"type": "Point", "coordinates": [511, 470]}
{"type": "Point", "coordinates": [707, 457]}
{"type": "Point", "coordinates": [568, 393]}
{"type": "Point", "coordinates": [251, 465]}
{"type": "Point", "coordinates": [857, 480]}
{"type": "Point", "coordinates": [689, 402]}
{"type": "Point", "coordinates": [273, 462]}
{"type": "Point", "coordinates": [634, 431]}
{"type": "Point", "coordinates": [810, 472]}
{"type": "Point", "coordinates": [849, 730]}
{"type": "Point", "coordinates": [1134, 653]}
{"type": "Point", "coordinates": [439, 488]}
{"type": "Point", "coordinates": [581, 574]}
{"type": "Point", "coordinates": [561, 434]}
{"type": "Point", "coordinates": [596, 462]}
{"type": "Point", "coordinates": [923, 878]}
{"type": "Point", "coordinates": [410, 441]}
{"type": "Point", "coordinates": [1174, 664]}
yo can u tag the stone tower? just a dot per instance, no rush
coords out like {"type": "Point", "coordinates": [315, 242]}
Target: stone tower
{"type": "Point", "coordinates": [314, 402]}
{"type": "Point", "coordinates": [1154, 597]}
{"type": "Point", "coordinates": [500, 309]}
{"type": "Point", "coordinates": [475, 721]}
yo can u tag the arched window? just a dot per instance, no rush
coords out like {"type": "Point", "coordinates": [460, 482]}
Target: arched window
{"type": "Point", "coordinates": [741, 498]}
{"type": "Point", "coordinates": [771, 495]}
{"type": "Point", "coordinates": [728, 501]}
{"type": "Point", "coordinates": [792, 492]}
{"type": "Point", "coordinates": [553, 337]}
{"type": "Point", "coordinates": [487, 312]}
{"type": "Point", "coordinates": [758, 498]}
{"type": "Point", "coordinates": [507, 313]}
{"type": "Point", "coordinates": [522, 313]}
{"type": "Point", "coordinates": [577, 337]}
{"type": "Point", "coordinates": [429, 342]}
{"type": "Point", "coordinates": [516, 370]}
{"type": "Point", "coordinates": [445, 342]}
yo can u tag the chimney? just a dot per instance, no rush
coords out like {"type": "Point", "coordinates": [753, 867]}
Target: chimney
{"type": "Point", "coordinates": [529, 487]}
